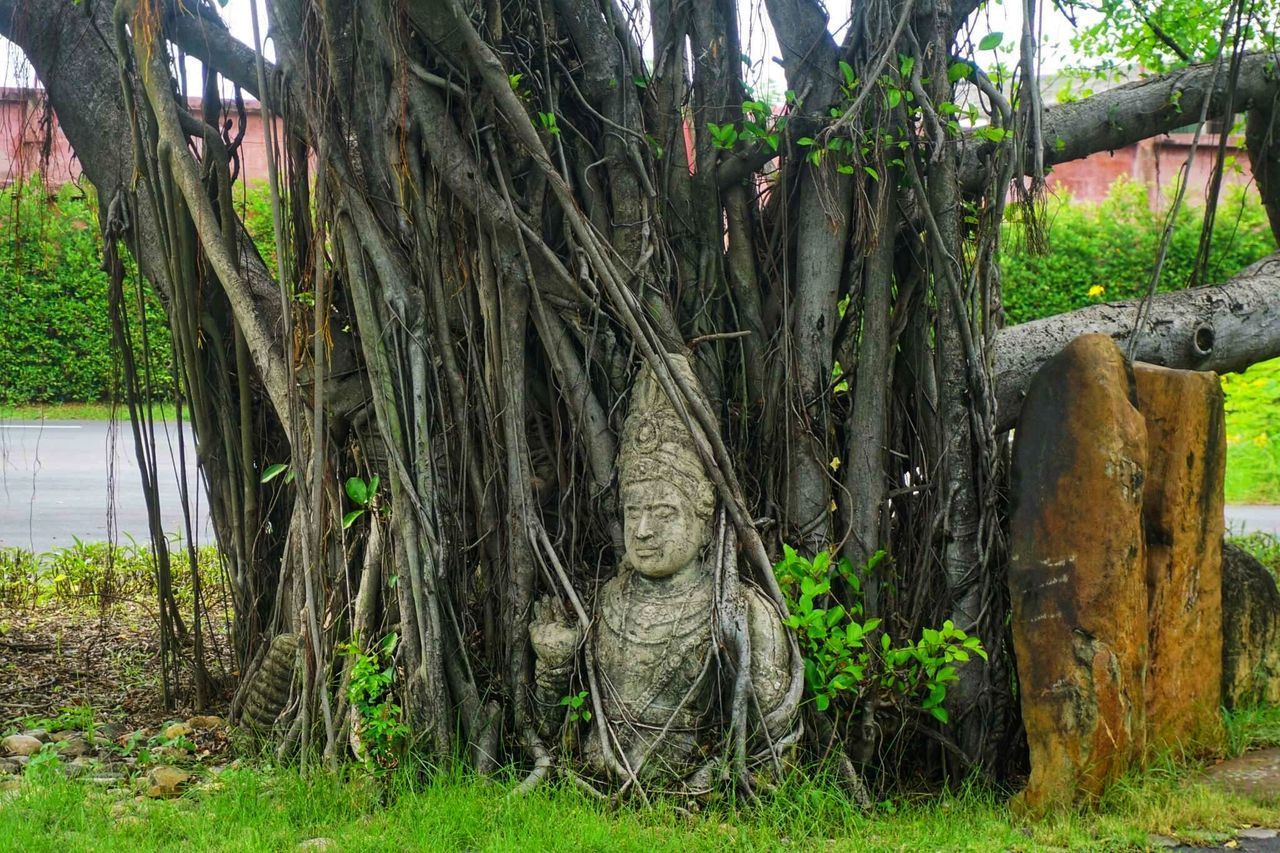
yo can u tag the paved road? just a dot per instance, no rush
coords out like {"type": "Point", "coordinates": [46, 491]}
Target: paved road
{"type": "Point", "coordinates": [62, 479]}
{"type": "Point", "coordinates": [1244, 518]}
{"type": "Point", "coordinates": [56, 483]}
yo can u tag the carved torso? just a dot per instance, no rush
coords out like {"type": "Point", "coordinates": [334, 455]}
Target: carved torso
{"type": "Point", "coordinates": [653, 644]}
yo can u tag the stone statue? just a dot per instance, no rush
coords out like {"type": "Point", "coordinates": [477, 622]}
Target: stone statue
{"type": "Point", "coordinates": [652, 645]}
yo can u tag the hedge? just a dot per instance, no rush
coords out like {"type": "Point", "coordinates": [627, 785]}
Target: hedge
{"type": "Point", "coordinates": [55, 331]}
{"type": "Point", "coordinates": [1106, 251]}
{"type": "Point", "coordinates": [55, 338]}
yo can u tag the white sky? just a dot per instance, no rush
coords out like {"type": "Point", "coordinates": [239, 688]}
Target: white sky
{"type": "Point", "coordinates": [1001, 16]}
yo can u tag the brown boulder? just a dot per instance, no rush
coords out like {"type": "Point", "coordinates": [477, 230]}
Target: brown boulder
{"type": "Point", "coordinates": [1077, 573]}
{"type": "Point", "coordinates": [1182, 514]}
{"type": "Point", "coordinates": [1250, 630]}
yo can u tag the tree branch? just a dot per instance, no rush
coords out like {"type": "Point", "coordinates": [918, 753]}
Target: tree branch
{"type": "Point", "coordinates": [1127, 114]}
{"type": "Point", "coordinates": [212, 43]}
{"type": "Point", "coordinates": [1224, 328]}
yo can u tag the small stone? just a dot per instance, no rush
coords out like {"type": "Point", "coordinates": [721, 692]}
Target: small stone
{"type": "Point", "coordinates": [1258, 833]}
{"type": "Point", "coordinates": [206, 723]}
{"type": "Point", "coordinates": [177, 730]}
{"type": "Point", "coordinates": [21, 745]}
{"type": "Point", "coordinates": [10, 766]}
{"type": "Point", "coordinates": [1162, 841]}
{"type": "Point", "coordinates": [104, 780]}
{"type": "Point", "coordinates": [321, 843]}
{"type": "Point", "coordinates": [166, 781]}
{"type": "Point", "coordinates": [41, 735]}
{"type": "Point", "coordinates": [74, 747]}
{"type": "Point", "coordinates": [170, 753]}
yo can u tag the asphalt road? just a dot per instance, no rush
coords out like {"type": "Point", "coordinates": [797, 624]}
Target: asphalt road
{"type": "Point", "coordinates": [65, 479]}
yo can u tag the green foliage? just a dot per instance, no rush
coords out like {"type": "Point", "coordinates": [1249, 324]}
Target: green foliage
{"type": "Point", "coordinates": [55, 331]}
{"type": "Point", "coordinates": [382, 728]}
{"type": "Point", "coordinates": [46, 764]}
{"type": "Point", "coordinates": [576, 705]}
{"type": "Point", "coordinates": [1144, 34]}
{"type": "Point", "coordinates": [1112, 245]}
{"type": "Point", "coordinates": [95, 574]}
{"type": "Point", "coordinates": [1253, 435]}
{"type": "Point", "coordinates": [1264, 547]}
{"type": "Point", "coordinates": [362, 495]}
{"type": "Point", "coordinates": [843, 657]}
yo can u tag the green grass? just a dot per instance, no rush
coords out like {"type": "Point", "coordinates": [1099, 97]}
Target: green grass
{"type": "Point", "coordinates": [248, 809]}
{"type": "Point", "coordinates": [1253, 434]}
{"type": "Point", "coordinates": [78, 411]}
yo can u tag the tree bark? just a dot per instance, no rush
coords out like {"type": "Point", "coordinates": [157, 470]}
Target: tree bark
{"type": "Point", "coordinates": [1224, 328]}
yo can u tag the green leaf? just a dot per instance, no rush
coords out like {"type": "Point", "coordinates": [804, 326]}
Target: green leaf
{"type": "Point", "coordinates": [822, 701]}
{"type": "Point", "coordinates": [990, 41]}
{"type": "Point", "coordinates": [847, 71]}
{"type": "Point", "coordinates": [351, 517]}
{"type": "Point", "coordinates": [358, 491]}
{"type": "Point", "coordinates": [274, 471]}
{"type": "Point", "coordinates": [895, 97]}
{"type": "Point", "coordinates": [958, 72]}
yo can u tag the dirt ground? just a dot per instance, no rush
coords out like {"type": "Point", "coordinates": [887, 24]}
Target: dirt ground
{"type": "Point", "coordinates": [57, 659]}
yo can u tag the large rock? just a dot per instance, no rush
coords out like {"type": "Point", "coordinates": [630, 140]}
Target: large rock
{"type": "Point", "coordinates": [1077, 573]}
{"type": "Point", "coordinates": [21, 745]}
{"type": "Point", "coordinates": [1182, 514]}
{"type": "Point", "coordinates": [1250, 630]}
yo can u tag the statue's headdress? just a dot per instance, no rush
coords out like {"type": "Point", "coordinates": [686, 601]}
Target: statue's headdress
{"type": "Point", "coordinates": [656, 445]}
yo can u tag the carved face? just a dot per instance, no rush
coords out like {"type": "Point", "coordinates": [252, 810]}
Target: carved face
{"type": "Point", "coordinates": [663, 531]}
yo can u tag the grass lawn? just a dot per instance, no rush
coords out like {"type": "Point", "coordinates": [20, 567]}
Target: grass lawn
{"type": "Point", "coordinates": [77, 411]}
{"type": "Point", "coordinates": [1253, 434]}
{"type": "Point", "coordinates": [264, 809]}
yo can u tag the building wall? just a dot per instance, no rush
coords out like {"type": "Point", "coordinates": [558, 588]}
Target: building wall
{"type": "Point", "coordinates": [27, 148]}
{"type": "Point", "coordinates": [1153, 162]}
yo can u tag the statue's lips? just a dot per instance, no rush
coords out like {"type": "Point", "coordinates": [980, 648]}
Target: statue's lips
{"type": "Point", "coordinates": [648, 552]}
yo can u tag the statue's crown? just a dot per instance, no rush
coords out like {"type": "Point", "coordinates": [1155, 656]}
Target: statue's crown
{"type": "Point", "coordinates": [656, 445]}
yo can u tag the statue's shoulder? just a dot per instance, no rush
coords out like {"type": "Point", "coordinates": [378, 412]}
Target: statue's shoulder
{"type": "Point", "coordinates": [759, 605]}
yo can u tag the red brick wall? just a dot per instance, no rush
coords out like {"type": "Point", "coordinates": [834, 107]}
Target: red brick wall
{"type": "Point", "coordinates": [23, 139]}
{"type": "Point", "coordinates": [1154, 162]}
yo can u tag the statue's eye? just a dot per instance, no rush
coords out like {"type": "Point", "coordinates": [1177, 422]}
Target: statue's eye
{"type": "Point", "coordinates": [665, 513]}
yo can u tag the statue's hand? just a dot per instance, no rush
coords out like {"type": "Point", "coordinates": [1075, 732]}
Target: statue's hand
{"type": "Point", "coordinates": [552, 633]}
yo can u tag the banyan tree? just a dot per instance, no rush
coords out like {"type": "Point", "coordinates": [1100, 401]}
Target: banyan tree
{"type": "Point", "coordinates": [495, 221]}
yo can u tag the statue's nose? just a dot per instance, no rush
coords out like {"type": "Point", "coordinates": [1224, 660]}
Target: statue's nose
{"type": "Point", "coordinates": [643, 528]}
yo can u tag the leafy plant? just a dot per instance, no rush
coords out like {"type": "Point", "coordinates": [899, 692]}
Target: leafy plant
{"type": "Point", "coordinates": [362, 495]}
{"type": "Point", "coordinates": [46, 764]}
{"type": "Point", "coordinates": [382, 728]}
{"type": "Point", "coordinates": [842, 656]}
{"type": "Point", "coordinates": [576, 703]}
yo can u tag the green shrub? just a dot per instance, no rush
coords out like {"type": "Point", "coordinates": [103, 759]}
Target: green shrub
{"type": "Point", "coordinates": [1112, 245]}
{"type": "Point", "coordinates": [55, 330]}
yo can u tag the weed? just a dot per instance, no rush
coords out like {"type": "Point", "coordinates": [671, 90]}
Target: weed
{"type": "Point", "coordinates": [842, 655]}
